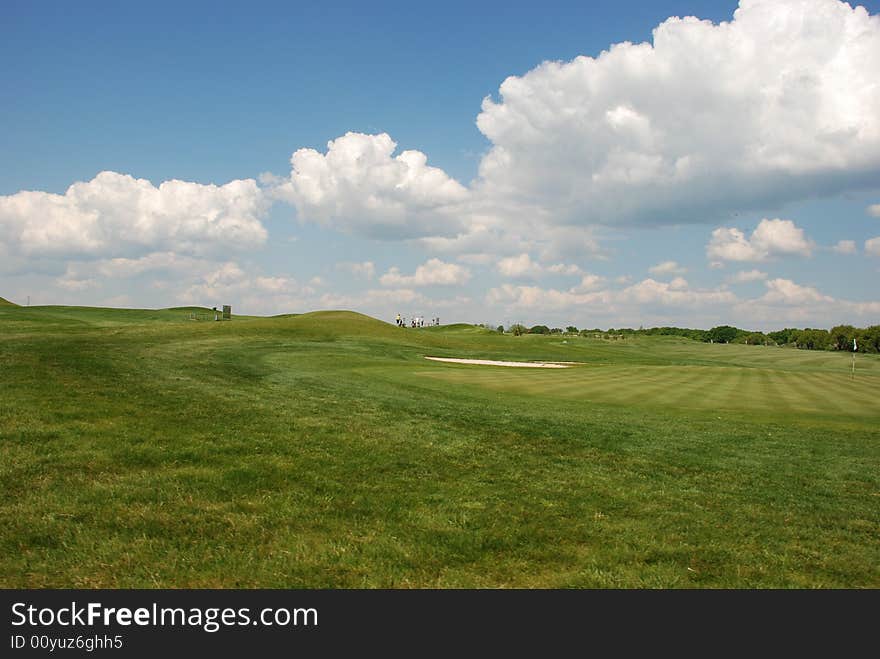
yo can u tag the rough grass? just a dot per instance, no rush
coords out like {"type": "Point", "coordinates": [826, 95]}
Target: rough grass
{"type": "Point", "coordinates": [140, 449]}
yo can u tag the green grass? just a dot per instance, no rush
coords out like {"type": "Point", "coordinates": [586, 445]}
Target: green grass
{"type": "Point", "coordinates": [142, 449]}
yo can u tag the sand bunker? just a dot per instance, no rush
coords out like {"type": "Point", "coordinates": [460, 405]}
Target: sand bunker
{"type": "Point", "coordinates": [492, 362]}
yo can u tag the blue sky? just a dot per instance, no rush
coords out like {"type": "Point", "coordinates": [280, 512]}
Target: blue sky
{"type": "Point", "coordinates": [703, 173]}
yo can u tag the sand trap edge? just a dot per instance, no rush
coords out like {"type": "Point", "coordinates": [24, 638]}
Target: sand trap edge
{"type": "Point", "coordinates": [492, 362]}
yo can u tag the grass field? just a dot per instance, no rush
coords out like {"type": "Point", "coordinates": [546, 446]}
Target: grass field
{"type": "Point", "coordinates": [140, 449]}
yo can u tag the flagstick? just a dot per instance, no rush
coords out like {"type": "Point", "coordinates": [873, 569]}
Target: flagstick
{"type": "Point", "coordinates": [855, 349]}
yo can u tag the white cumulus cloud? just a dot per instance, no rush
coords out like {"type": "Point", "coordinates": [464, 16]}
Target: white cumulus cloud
{"type": "Point", "coordinates": [360, 186]}
{"type": "Point", "coordinates": [872, 246]}
{"type": "Point", "coordinates": [116, 214]}
{"type": "Point", "coordinates": [588, 284]}
{"type": "Point", "coordinates": [786, 303]}
{"type": "Point", "coordinates": [364, 270]}
{"type": "Point", "coordinates": [643, 298]}
{"type": "Point", "coordinates": [514, 297]}
{"type": "Point", "coordinates": [845, 247]}
{"type": "Point", "coordinates": [778, 104]}
{"type": "Point", "coordinates": [676, 293]}
{"type": "Point", "coordinates": [563, 269]}
{"type": "Point", "coordinates": [433, 272]}
{"type": "Point", "coordinates": [667, 268]}
{"type": "Point", "coordinates": [73, 284]}
{"type": "Point", "coordinates": [770, 238]}
{"type": "Point", "coordinates": [785, 291]}
{"type": "Point", "coordinates": [518, 266]}
{"type": "Point", "coordinates": [522, 266]}
{"type": "Point", "coordinates": [229, 283]}
{"type": "Point", "coordinates": [744, 276]}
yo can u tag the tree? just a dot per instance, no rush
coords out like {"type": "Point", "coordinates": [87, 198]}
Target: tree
{"type": "Point", "coordinates": [500, 329]}
{"type": "Point", "coordinates": [539, 329]}
{"type": "Point", "coordinates": [518, 330]}
{"type": "Point", "coordinates": [812, 339]}
{"type": "Point", "coordinates": [723, 334]}
{"type": "Point", "coordinates": [782, 337]}
{"type": "Point", "coordinates": [869, 339]}
{"type": "Point", "coordinates": [752, 339]}
{"type": "Point", "coordinates": [571, 329]}
{"type": "Point", "coordinates": [842, 337]}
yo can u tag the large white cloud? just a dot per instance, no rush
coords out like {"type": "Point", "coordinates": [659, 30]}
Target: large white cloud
{"type": "Point", "coordinates": [519, 266]}
{"type": "Point", "coordinates": [385, 303]}
{"type": "Point", "coordinates": [647, 293]}
{"type": "Point", "coordinates": [778, 104]}
{"type": "Point", "coordinates": [169, 262]}
{"type": "Point", "coordinates": [667, 268]}
{"type": "Point", "coordinates": [358, 185]}
{"type": "Point", "coordinates": [522, 266]}
{"type": "Point", "coordinates": [745, 276]}
{"type": "Point", "coordinates": [770, 238]}
{"type": "Point", "coordinates": [363, 270]}
{"type": "Point", "coordinates": [117, 214]}
{"type": "Point", "coordinates": [785, 291]}
{"type": "Point", "coordinates": [650, 302]}
{"type": "Point", "coordinates": [872, 246]}
{"type": "Point", "coordinates": [488, 237]}
{"type": "Point", "coordinates": [588, 284]}
{"type": "Point", "coordinates": [535, 298]}
{"type": "Point", "coordinates": [433, 272]}
{"type": "Point", "coordinates": [845, 247]}
{"type": "Point", "coordinates": [787, 303]}
{"type": "Point", "coordinates": [676, 293]}
{"type": "Point", "coordinates": [229, 283]}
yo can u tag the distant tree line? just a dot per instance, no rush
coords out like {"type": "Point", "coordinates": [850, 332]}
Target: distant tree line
{"type": "Point", "coordinates": [837, 338]}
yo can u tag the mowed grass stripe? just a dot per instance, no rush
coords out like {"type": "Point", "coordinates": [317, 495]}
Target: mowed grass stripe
{"type": "Point", "coordinates": [823, 392]}
{"type": "Point", "coordinates": [806, 397]}
{"type": "Point", "coordinates": [612, 385]}
{"type": "Point", "coordinates": [717, 392]}
{"type": "Point", "coordinates": [633, 385]}
{"type": "Point", "coordinates": [852, 396]}
{"type": "Point", "coordinates": [653, 386]}
{"type": "Point", "coordinates": [754, 389]}
{"type": "Point", "coordinates": [864, 389]}
{"type": "Point", "coordinates": [664, 392]}
{"type": "Point", "coordinates": [769, 390]}
{"type": "Point", "coordinates": [728, 388]}
{"type": "Point", "coordinates": [691, 393]}
{"type": "Point", "coordinates": [576, 383]}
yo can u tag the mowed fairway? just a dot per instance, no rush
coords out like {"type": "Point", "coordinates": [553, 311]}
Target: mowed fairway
{"type": "Point", "coordinates": [140, 449]}
{"type": "Point", "coordinates": [755, 391]}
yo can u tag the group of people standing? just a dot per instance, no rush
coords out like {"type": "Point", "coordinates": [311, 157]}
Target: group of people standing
{"type": "Point", "coordinates": [416, 321]}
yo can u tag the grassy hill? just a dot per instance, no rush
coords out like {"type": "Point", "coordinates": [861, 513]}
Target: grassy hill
{"type": "Point", "coordinates": [140, 448]}
{"type": "Point", "coordinates": [5, 302]}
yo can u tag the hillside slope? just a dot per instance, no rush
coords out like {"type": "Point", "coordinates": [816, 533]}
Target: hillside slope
{"type": "Point", "coordinates": [142, 448]}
